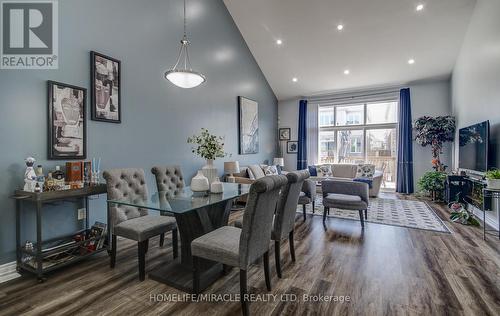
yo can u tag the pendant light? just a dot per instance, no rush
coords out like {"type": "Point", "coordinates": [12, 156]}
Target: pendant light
{"type": "Point", "coordinates": [184, 77]}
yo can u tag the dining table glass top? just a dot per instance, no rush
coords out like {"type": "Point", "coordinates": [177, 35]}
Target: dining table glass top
{"type": "Point", "coordinates": [184, 200]}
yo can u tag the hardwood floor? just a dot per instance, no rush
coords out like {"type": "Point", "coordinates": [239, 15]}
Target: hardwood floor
{"type": "Point", "coordinates": [384, 270]}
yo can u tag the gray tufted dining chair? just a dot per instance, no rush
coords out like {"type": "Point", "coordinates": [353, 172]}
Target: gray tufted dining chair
{"type": "Point", "coordinates": [284, 220]}
{"type": "Point", "coordinates": [169, 180]}
{"type": "Point", "coordinates": [240, 247]}
{"type": "Point", "coordinates": [133, 222]}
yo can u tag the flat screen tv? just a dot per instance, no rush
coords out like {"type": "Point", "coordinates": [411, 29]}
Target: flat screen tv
{"type": "Point", "coordinates": [473, 147]}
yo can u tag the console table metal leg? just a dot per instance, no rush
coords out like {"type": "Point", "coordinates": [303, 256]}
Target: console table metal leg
{"type": "Point", "coordinates": [109, 245]}
{"type": "Point", "coordinates": [18, 233]}
{"type": "Point", "coordinates": [39, 266]}
{"type": "Point", "coordinates": [86, 212]}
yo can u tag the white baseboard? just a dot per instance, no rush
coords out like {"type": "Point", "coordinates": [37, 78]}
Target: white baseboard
{"type": "Point", "coordinates": [8, 272]}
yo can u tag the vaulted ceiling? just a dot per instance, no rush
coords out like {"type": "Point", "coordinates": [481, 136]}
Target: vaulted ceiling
{"type": "Point", "coordinates": [378, 39]}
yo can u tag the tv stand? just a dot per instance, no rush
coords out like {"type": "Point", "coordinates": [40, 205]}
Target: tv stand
{"type": "Point", "coordinates": [472, 190]}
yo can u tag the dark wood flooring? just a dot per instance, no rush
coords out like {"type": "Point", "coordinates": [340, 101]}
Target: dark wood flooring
{"type": "Point", "coordinates": [384, 270]}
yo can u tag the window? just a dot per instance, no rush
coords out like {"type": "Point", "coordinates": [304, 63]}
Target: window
{"type": "Point", "coordinates": [350, 115]}
{"type": "Point", "coordinates": [326, 115]}
{"type": "Point", "coordinates": [360, 133]}
{"type": "Point", "coordinates": [381, 112]}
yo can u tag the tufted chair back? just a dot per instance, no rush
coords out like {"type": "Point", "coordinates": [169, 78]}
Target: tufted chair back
{"type": "Point", "coordinates": [169, 179]}
{"type": "Point", "coordinates": [127, 184]}
{"type": "Point", "coordinates": [258, 218]}
{"type": "Point", "coordinates": [284, 220]}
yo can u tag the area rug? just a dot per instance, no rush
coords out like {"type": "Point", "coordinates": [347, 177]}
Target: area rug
{"type": "Point", "coordinates": [394, 212]}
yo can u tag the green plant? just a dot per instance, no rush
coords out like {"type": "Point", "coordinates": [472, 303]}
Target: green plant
{"type": "Point", "coordinates": [493, 174]}
{"type": "Point", "coordinates": [432, 182]}
{"type": "Point", "coordinates": [435, 131]}
{"type": "Point", "coordinates": [459, 213]}
{"type": "Point", "coordinates": [208, 146]}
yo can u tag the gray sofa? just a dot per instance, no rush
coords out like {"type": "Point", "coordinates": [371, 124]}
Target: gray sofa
{"type": "Point", "coordinates": [348, 172]}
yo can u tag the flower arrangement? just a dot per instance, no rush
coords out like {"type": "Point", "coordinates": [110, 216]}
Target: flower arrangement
{"type": "Point", "coordinates": [209, 146]}
{"type": "Point", "coordinates": [493, 179]}
{"type": "Point", "coordinates": [460, 214]}
{"type": "Point", "coordinates": [435, 131]}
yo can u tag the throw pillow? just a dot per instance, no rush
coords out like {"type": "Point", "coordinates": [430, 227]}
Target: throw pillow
{"type": "Point", "coordinates": [313, 171]}
{"type": "Point", "coordinates": [270, 170]}
{"type": "Point", "coordinates": [324, 171]}
{"type": "Point", "coordinates": [365, 171]}
{"type": "Point", "coordinates": [278, 167]}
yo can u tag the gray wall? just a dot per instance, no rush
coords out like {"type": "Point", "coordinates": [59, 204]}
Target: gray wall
{"type": "Point", "coordinates": [476, 79]}
{"type": "Point", "coordinates": [431, 97]}
{"type": "Point", "coordinates": [157, 117]}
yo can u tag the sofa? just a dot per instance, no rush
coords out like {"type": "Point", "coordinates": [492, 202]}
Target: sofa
{"type": "Point", "coordinates": [251, 173]}
{"type": "Point", "coordinates": [349, 172]}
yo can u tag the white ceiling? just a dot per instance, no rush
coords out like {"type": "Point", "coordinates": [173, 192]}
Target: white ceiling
{"type": "Point", "coordinates": [378, 39]}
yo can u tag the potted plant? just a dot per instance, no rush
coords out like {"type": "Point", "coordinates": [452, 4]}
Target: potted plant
{"type": "Point", "coordinates": [432, 182]}
{"type": "Point", "coordinates": [493, 179]}
{"type": "Point", "coordinates": [435, 131]}
{"type": "Point", "coordinates": [459, 213]}
{"type": "Point", "coordinates": [208, 147]}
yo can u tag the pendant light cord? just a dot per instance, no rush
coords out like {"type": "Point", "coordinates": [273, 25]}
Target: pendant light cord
{"type": "Point", "coordinates": [185, 23]}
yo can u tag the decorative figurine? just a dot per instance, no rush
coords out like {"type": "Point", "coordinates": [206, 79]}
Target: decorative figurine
{"type": "Point", "coordinates": [29, 175]}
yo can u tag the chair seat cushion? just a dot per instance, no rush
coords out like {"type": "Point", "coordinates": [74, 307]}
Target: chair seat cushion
{"type": "Point", "coordinates": [304, 199]}
{"type": "Point", "coordinates": [145, 227]}
{"type": "Point", "coordinates": [344, 201]}
{"type": "Point", "coordinates": [221, 245]}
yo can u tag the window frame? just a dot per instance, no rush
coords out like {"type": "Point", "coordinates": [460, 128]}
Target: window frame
{"type": "Point", "coordinates": [364, 126]}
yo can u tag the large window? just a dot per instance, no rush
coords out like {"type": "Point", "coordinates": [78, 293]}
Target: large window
{"type": "Point", "coordinates": [360, 133]}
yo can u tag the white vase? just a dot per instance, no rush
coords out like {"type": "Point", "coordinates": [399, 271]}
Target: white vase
{"type": "Point", "coordinates": [493, 184]}
{"type": "Point", "coordinates": [216, 186]}
{"type": "Point", "coordinates": [209, 171]}
{"type": "Point", "coordinates": [199, 183]}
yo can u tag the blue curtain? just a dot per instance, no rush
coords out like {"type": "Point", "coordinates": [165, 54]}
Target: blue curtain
{"type": "Point", "coordinates": [405, 144]}
{"type": "Point", "coordinates": [302, 138]}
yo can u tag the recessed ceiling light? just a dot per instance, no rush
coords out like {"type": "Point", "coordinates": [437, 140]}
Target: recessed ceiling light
{"type": "Point", "coordinates": [420, 7]}
{"type": "Point", "coordinates": [295, 79]}
{"type": "Point", "coordinates": [346, 72]}
{"type": "Point", "coordinates": [340, 27]}
{"type": "Point", "coordinates": [411, 61]}
{"type": "Point", "coordinates": [279, 42]}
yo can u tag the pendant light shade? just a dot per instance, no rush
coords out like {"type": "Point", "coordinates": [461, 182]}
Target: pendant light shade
{"type": "Point", "coordinates": [184, 77]}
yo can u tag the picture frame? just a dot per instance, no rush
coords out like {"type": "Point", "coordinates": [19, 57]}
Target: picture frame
{"type": "Point", "coordinates": [105, 83]}
{"type": "Point", "coordinates": [285, 133]}
{"type": "Point", "coordinates": [248, 113]}
{"type": "Point", "coordinates": [67, 124]}
{"type": "Point", "coordinates": [292, 147]}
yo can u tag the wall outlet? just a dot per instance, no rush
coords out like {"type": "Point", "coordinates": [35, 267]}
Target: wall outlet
{"type": "Point", "coordinates": [81, 214]}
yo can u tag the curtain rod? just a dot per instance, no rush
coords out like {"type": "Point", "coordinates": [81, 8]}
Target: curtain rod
{"type": "Point", "coordinates": [353, 95]}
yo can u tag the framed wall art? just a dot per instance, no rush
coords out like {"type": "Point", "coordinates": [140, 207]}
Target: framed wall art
{"type": "Point", "coordinates": [67, 137]}
{"type": "Point", "coordinates": [248, 126]}
{"type": "Point", "coordinates": [105, 88]}
{"type": "Point", "coordinates": [292, 147]}
{"type": "Point", "coordinates": [284, 133]}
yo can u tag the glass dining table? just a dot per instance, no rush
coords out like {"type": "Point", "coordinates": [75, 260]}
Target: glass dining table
{"type": "Point", "coordinates": [196, 214]}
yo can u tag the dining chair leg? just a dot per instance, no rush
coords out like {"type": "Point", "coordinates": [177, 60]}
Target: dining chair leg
{"type": "Point", "coordinates": [175, 242]}
{"type": "Point", "coordinates": [112, 258]}
{"type": "Point", "coordinates": [277, 257]}
{"type": "Point", "coordinates": [366, 214]}
{"type": "Point", "coordinates": [146, 246]}
{"type": "Point", "coordinates": [243, 292]}
{"type": "Point", "coordinates": [141, 246]}
{"type": "Point", "coordinates": [266, 270]}
{"type": "Point", "coordinates": [304, 211]}
{"type": "Point", "coordinates": [314, 206]}
{"type": "Point", "coordinates": [196, 275]}
{"type": "Point", "coordinates": [361, 218]}
{"type": "Point", "coordinates": [325, 210]}
{"type": "Point", "coordinates": [162, 239]}
{"type": "Point", "coordinates": [292, 246]}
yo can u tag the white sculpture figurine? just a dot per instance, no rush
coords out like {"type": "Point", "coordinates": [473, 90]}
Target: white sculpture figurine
{"type": "Point", "coordinates": [29, 175]}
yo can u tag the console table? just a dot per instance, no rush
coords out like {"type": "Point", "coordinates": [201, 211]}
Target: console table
{"type": "Point", "coordinates": [38, 253]}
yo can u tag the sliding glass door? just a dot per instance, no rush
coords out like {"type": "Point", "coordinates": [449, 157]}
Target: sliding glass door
{"type": "Point", "coordinates": [360, 133]}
